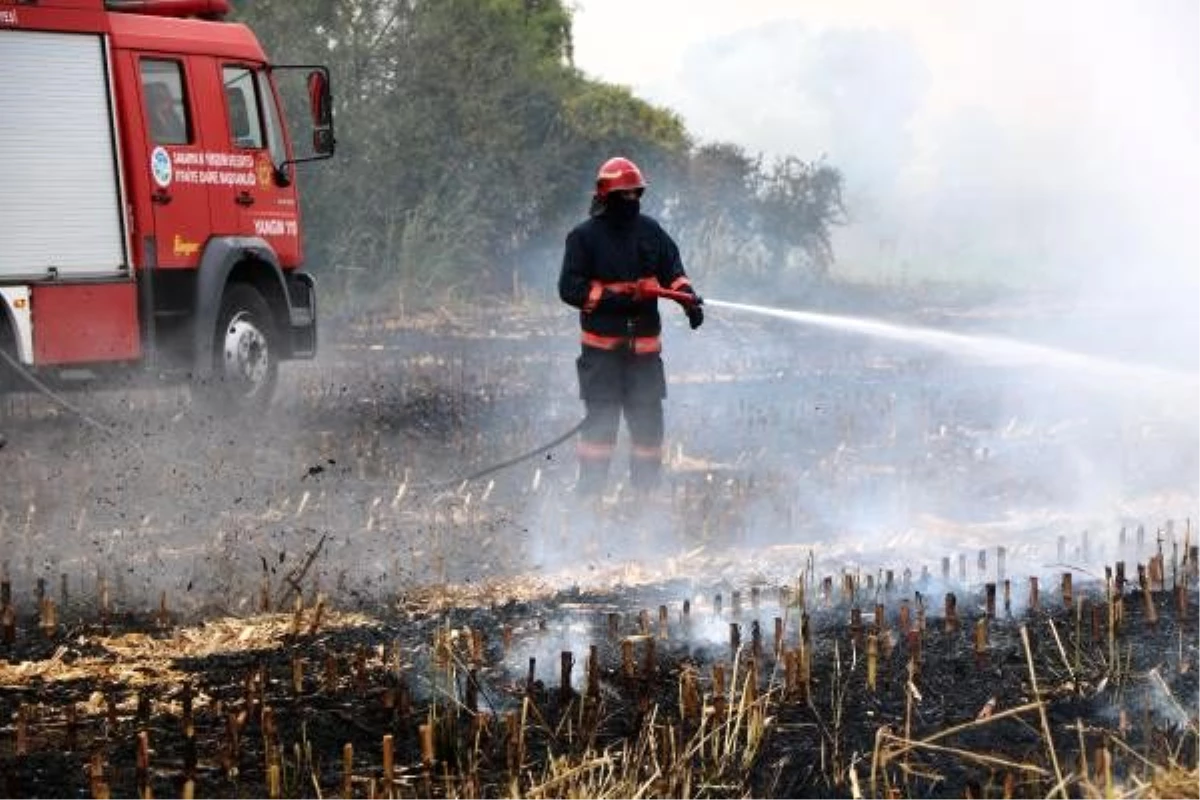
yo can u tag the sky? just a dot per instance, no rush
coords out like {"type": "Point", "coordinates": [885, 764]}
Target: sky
{"type": "Point", "coordinates": [1054, 143]}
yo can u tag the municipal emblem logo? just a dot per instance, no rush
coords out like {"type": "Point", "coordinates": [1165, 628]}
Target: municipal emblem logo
{"type": "Point", "coordinates": [160, 166]}
{"type": "Point", "coordinates": [264, 171]}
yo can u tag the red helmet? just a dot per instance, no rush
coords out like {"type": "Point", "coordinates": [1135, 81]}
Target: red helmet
{"type": "Point", "coordinates": [618, 175]}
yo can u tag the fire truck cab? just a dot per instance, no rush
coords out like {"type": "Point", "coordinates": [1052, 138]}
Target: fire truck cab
{"type": "Point", "coordinates": [149, 217]}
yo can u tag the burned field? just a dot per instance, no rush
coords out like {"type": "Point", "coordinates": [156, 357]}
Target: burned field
{"type": "Point", "coordinates": [566, 696]}
{"type": "Point", "coordinates": [872, 573]}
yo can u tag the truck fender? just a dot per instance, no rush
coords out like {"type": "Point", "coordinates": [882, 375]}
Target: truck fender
{"type": "Point", "coordinates": [223, 255]}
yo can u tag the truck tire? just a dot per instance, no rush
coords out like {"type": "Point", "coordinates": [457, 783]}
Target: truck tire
{"type": "Point", "coordinates": [245, 353]}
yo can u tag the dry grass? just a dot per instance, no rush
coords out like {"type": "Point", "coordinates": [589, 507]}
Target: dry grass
{"type": "Point", "coordinates": [143, 659]}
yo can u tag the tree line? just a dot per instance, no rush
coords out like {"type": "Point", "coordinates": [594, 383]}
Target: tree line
{"type": "Point", "coordinates": [468, 142]}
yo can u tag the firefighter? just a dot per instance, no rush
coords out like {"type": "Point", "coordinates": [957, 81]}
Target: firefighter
{"type": "Point", "coordinates": [620, 368]}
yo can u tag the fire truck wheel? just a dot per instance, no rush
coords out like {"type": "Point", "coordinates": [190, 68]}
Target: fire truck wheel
{"type": "Point", "coordinates": [245, 351]}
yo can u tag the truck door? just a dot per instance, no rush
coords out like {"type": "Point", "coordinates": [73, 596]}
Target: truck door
{"type": "Point", "coordinates": [179, 178]}
{"type": "Point", "coordinates": [266, 207]}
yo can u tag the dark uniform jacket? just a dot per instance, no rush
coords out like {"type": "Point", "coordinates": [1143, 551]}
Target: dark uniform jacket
{"type": "Point", "coordinates": [602, 253]}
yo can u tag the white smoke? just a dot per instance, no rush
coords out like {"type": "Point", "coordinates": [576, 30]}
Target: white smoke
{"type": "Point", "coordinates": [1047, 145]}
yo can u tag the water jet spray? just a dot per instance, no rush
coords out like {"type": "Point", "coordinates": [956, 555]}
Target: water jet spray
{"type": "Point", "coordinates": [982, 347]}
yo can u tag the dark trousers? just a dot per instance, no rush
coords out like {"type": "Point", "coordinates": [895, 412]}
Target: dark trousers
{"type": "Point", "coordinates": [612, 384]}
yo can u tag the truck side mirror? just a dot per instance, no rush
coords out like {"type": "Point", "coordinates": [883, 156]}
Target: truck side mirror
{"type": "Point", "coordinates": [311, 80]}
{"type": "Point", "coordinates": [320, 101]}
{"type": "Point", "coordinates": [319, 97]}
{"type": "Point", "coordinates": [322, 140]}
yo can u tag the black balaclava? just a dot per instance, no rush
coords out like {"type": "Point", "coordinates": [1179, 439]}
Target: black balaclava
{"type": "Point", "coordinates": [622, 210]}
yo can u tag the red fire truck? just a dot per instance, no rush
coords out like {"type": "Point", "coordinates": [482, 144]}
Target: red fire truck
{"type": "Point", "coordinates": [149, 218]}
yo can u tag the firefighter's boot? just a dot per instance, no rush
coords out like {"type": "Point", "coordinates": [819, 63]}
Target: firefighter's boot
{"type": "Point", "coordinates": [645, 474]}
{"type": "Point", "coordinates": [593, 474]}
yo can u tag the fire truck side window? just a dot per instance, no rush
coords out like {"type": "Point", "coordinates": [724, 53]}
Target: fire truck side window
{"type": "Point", "coordinates": [241, 104]}
{"type": "Point", "coordinates": [166, 101]}
{"type": "Point", "coordinates": [271, 117]}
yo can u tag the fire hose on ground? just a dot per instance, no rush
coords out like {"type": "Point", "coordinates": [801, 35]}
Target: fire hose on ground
{"type": "Point", "coordinates": [643, 289]}
{"type": "Point", "coordinates": [110, 430]}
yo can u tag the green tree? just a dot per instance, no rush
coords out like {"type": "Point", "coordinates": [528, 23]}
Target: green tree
{"type": "Point", "coordinates": [711, 208]}
{"type": "Point", "coordinates": [798, 204]}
